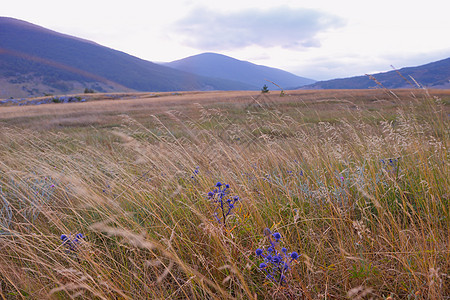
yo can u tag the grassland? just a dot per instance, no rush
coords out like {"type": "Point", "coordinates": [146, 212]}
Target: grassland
{"type": "Point", "coordinates": [356, 182]}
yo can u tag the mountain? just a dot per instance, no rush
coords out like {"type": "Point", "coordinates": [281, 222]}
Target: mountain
{"type": "Point", "coordinates": [35, 60]}
{"type": "Point", "coordinates": [220, 66]}
{"type": "Point", "coordinates": [432, 75]}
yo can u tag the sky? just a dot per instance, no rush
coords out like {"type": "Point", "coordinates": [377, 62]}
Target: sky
{"type": "Point", "coordinates": [317, 39]}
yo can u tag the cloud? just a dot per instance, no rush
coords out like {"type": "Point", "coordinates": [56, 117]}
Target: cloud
{"type": "Point", "coordinates": [283, 26]}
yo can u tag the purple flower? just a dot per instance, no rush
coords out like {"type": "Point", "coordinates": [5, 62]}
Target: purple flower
{"type": "Point", "coordinates": [72, 244]}
{"type": "Point", "coordinates": [277, 261]}
{"type": "Point", "coordinates": [224, 205]}
{"type": "Point", "coordinates": [277, 236]}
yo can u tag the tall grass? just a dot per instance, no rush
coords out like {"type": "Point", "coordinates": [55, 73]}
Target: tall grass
{"type": "Point", "coordinates": [362, 197]}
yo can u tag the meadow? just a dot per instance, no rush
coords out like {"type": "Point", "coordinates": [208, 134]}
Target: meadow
{"type": "Point", "coordinates": [342, 194]}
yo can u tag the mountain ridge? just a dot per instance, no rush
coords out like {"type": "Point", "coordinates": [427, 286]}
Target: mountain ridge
{"type": "Point", "coordinates": [221, 66]}
{"type": "Point", "coordinates": [431, 75]}
{"type": "Point", "coordinates": [36, 61]}
{"type": "Point", "coordinates": [34, 56]}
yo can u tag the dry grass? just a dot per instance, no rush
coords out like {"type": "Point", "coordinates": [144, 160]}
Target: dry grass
{"type": "Point", "coordinates": [314, 166]}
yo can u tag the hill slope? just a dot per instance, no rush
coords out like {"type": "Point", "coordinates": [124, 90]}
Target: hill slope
{"type": "Point", "coordinates": [34, 56]}
{"type": "Point", "coordinates": [221, 66]}
{"type": "Point", "coordinates": [432, 75]}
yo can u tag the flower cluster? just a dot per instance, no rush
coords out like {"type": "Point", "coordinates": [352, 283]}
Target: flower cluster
{"type": "Point", "coordinates": [277, 262]}
{"type": "Point", "coordinates": [72, 244]}
{"type": "Point", "coordinates": [224, 204]}
{"type": "Point", "coordinates": [391, 165]}
{"type": "Point", "coordinates": [195, 172]}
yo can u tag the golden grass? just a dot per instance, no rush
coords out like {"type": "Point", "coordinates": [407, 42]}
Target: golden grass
{"type": "Point", "coordinates": [312, 165]}
{"type": "Point", "coordinates": [102, 108]}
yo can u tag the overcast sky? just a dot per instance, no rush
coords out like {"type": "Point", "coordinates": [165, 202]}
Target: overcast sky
{"type": "Point", "coordinates": [318, 39]}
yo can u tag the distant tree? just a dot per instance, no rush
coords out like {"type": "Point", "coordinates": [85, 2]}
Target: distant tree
{"type": "Point", "coordinates": [265, 89]}
{"type": "Point", "coordinates": [88, 91]}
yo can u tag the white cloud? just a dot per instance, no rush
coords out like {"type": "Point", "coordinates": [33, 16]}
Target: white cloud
{"type": "Point", "coordinates": [292, 28]}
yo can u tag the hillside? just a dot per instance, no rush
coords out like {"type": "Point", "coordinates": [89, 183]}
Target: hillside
{"type": "Point", "coordinates": [432, 75]}
{"type": "Point", "coordinates": [225, 67]}
{"type": "Point", "coordinates": [35, 60]}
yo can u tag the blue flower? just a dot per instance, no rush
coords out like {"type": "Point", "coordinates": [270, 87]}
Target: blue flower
{"type": "Point", "coordinates": [294, 255]}
{"type": "Point", "coordinates": [224, 205]}
{"type": "Point", "coordinates": [72, 244]}
{"type": "Point", "coordinates": [277, 236]}
{"type": "Point", "coordinates": [276, 263]}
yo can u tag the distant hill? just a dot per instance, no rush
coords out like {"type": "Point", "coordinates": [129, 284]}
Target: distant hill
{"type": "Point", "coordinates": [432, 75]}
{"type": "Point", "coordinates": [225, 67]}
{"type": "Point", "coordinates": [35, 61]}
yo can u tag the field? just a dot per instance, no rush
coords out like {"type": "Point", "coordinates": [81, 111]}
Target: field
{"type": "Point", "coordinates": [343, 194]}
